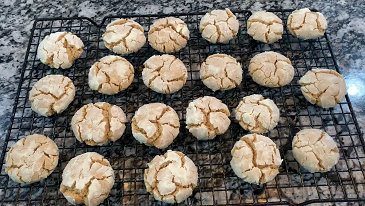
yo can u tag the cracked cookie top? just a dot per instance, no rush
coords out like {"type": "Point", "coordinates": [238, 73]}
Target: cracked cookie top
{"type": "Point", "coordinates": [315, 150]}
{"type": "Point", "coordinates": [60, 49]}
{"type": "Point", "coordinates": [221, 72]}
{"type": "Point", "coordinates": [271, 69]}
{"type": "Point", "coordinates": [31, 159]}
{"type": "Point", "coordinates": [257, 114]}
{"type": "Point", "coordinates": [219, 26]}
{"type": "Point", "coordinates": [323, 87]}
{"type": "Point", "coordinates": [164, 73]}
{"type": "Point", "coordinates": [96, 124]}
{"type": "Point", "coordinates": [155, 124]}
{"type": "Point", "coordinates": [111, 75]}
{"type": "Point", "coordinates": [265, 27]}
{"type": "Point", "coordinates": [171, 178]}
{"type": "Point", "coordinates": [52, 94]}
{"type": "Point", "coordinates": [168, 35]}
{"type": "Point", "coordinates": [124, 36]}
{"type": "Point", "coordinates": [87, 179]}
{"type": "Point", "coordinates": [306, 24]}
{"type": "Point", "coordinates": [207, 117]}
{"type": "Point", "coordinates": [255, 159]}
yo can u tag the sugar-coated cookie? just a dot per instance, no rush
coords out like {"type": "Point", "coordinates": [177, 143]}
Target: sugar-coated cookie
{"type": "Point", "coordinates": [124, 36]}
{"type": "Point", "coordinates": [51, 95]}
{"type": "Point", "coordinates": [168, 35]}
{"type": "Point", "coordinates": [207, 117]}
{"type": "Point", "coordinates": [315, 150]}
{"type": "Point", "coordinates": [31, 159]}
{"type": "Point", "coordinates": [96, 124]}
{"type": "Point", "coordinates": [60, 49]}
{"type": "Point", "coordinates": [87, 179]}
{"type": "Point", "coordinates": [171, 178]}
{"type": "Point", "coordinates": [323, 87]}
{"type": "Point", "coordinates": [265, 27]}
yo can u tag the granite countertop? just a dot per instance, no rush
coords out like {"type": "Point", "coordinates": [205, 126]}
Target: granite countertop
{"type": "Point", "coordinates": [346, 32]}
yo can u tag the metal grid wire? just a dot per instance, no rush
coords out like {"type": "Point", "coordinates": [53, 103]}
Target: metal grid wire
{"type": "Point", "coordinates": [217, 184]}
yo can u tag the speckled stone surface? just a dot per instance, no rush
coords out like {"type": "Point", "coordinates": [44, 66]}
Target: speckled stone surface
{"type": "Point", "coordinates": [346, 32]}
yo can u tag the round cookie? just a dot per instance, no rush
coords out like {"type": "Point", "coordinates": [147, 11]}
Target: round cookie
{"type": "Point", "coordinates": [265, 27]}
{"type": "Point", "coordinates": [87, 179]}
{"type": "Point", "coordinates": [96, 124]}
{"type": "Point", "coordinates": [323, 87]}
{"type": "Point", "coordinates": [219, 26]}
{"type": "Point", "coordinates": [221, 72]}
{"type": "Point", "coordinates": [257, 114]}
{"type": "Point", "coordinates": [171, 178]}
{"type": "Point", "coordinates": [155, 124]}
{"type": "Point", "coordinates": [168, 35]}
{"type": "Point", "coordinates": [255, 159]}
{"type": "Point", "coordinates": [60, 49]}
{"type": "Point", "coordinates": [207, 117]}
{"type": "Point", "coordinates": [124, 36]}
{"type": "Point", "coordinates": [271, 69]}
{"type": "Point", "coordinates": [111, 75]}
{"type": "Point", "coordinates": [315, 150]}
{"type": "Point", "coordinates": [164, 74]}
{"type": "Point", "coordinates": [52, 94]}
{"type": "Point", "coordinates": [31, 159]}
{"type": "Point", "coordinates": [306, 24]}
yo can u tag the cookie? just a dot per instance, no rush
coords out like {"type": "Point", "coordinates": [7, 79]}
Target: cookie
{"type": "Point", "coordinates": [87, 179]}
{"type": "Point", "coordinates": [96, 124]}
{"type": "Point", "coordinates": [164, 74]}
{"type": "Point", "coordinates": [255, 159]}
{"type": "Point", "coordinates": [171, 178]}
{"type": "Point", "coordinates": [51, 95]}
{"type": "Point", "coordinates": [306, 24]}
{"type": "Point", "coordinates": [110, 75]}
{"type": "Point", "coordinates": [168, 35]}
{"type": "Point", "coordinates": [221, 72]}
{"type": "Point", "coordinates": [257, 114]}
{"type": "Point", "coordinates": [271, 69]}
{"type": "Point", "coordinates": [265, 27]}
{"type": "Point", "coordinates": [207, 117]}
{"type": "Point", "coordinates": [323, 87]}
{"type": "Point", "coordinates": [31, 159]}
{"type": "Point", "coordinates": [155, 124]}
{"type": "Point", "coordinates": [219, 26]}
{"type": "Point", "coordinates": [315, 150]}
{"type": "Point", "coordinates": [124, 36]}
{"type": "Point", "coordinates": [60, 49]}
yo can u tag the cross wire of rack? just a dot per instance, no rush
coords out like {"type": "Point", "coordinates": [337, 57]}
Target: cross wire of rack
{"type": "Point", "coordinates": [217, 184]}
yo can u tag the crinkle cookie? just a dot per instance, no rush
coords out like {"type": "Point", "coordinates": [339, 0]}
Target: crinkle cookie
{"type": "Point", "coordinates": [207, 117]}
{"type": "Point", "coordinates": [124, 36]}
{"type": "Point", "coordinates": [87, 179]}
{"type": "Point", "coordinates": [96, 124]}
{"type": "Point", "coordinates": [171, 178]}
{"type": "Point", "coordinates": [255, 159]}
{"type": "Point", "coordinates": [306, 24]}
{"type": "Point", "coordinates": [315, 150]}
{"type": "Point", "coordinates": [265, 27]}
{"type": "Point", "coordinates": [257, 114]}
{"type": "Point", "coordinates": [323, 87]}
{"type": "Point", "coordinates": [219, 26]}
{"type": "Point", "coordinates": [271, 69]}
{"type": "Point", "coordinates": [31, 159]}
{"type": "Point", "coordinates": [164, 73]}
{"type": "Point", "coordinates": [110, 75]}
{"type": "Point", "coordinates": [155, 124]}
{"type": "Point", "coordinates": [168, 35]}
{"type": "Point", "coordinates": [221, 72]}
{"type": "Point", "coordinates": [60, 49]}
{"type": "Point", "coordinates": [52, 94]}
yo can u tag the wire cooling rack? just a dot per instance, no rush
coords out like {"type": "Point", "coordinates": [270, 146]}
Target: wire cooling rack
{"type": "Point", "coordinates": [217, 184]}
